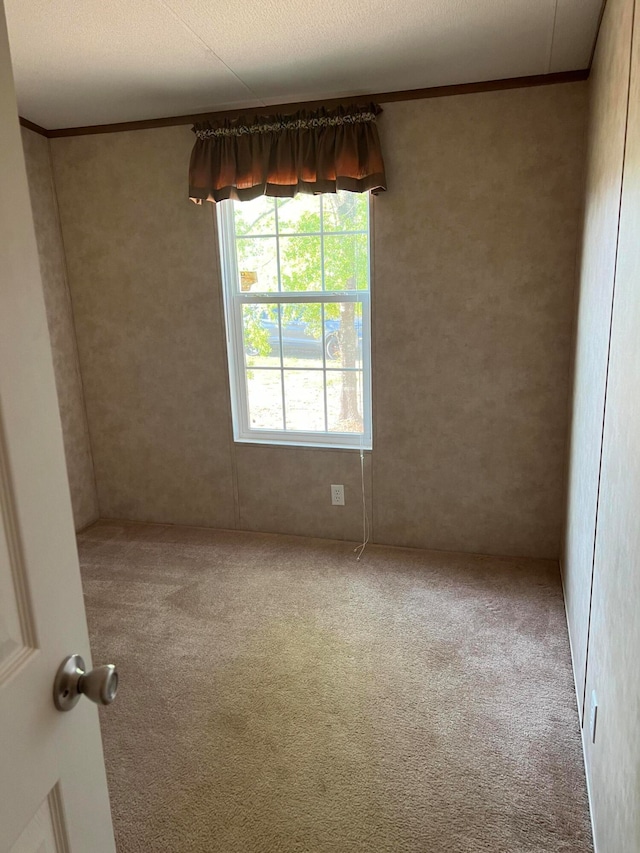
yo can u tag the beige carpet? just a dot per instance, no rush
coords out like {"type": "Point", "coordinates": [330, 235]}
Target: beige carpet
{"type": "Point", "coordinates": [278, 696]}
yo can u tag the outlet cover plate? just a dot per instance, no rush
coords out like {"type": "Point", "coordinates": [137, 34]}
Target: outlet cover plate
{"type": "Point", "coordinates": [337, 495]}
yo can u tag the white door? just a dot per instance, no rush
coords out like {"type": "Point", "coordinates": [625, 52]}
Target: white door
{"type": "Point", "coordinates": [53, 792]}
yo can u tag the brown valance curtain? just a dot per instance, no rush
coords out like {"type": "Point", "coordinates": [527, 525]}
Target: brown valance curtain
{"type": "Point", "coordinates": [308, 152]}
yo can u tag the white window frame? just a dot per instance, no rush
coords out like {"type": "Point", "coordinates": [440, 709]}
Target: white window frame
{"type": "Point", "coordinates": [234, 299]}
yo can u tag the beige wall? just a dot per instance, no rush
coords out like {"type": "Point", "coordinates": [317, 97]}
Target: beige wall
{"type": "Point", "coordinates": [474, 267]}
{"type": "Point", "coordinates": [474, 252]}
{"type": "Point", "coordinates": [142, 268]}
{"type": "Point", "coordinates": [61, 329]}
{"type": "Point", "coordinates": [614, 643]}
{"type": "Point", "coordinates": [608, 84]}
{"type": "Point", "coordinates": [610, 630]}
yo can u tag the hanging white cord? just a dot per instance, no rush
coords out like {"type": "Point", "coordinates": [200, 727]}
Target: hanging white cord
{"type": "Point", "coordinates": [365, 517]}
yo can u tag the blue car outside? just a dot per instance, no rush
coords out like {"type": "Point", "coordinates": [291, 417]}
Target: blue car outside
{"type": "Point", "coordinates": [298, 340]}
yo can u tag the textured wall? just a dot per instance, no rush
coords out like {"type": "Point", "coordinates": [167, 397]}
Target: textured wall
{"type": "Point", "coordinates": [608, 111]}
{"type": "Point", "coordinates": [61, 329]}
{"type": "Point", "coordinates": [613, 669]}
{"type": "Point", "coordinates": [474, 250]}
{"type": "Point", "coordinates": [475, 247]}
{"type": "Point", "coordinates": [613, 761]}
{"type": "Point", "coordinates": [284, 486]}
{"type": "Point", "coordinates": [142, 269]}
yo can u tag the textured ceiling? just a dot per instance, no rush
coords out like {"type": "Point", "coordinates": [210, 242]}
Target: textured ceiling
{"type": "Point", "coordinates": [96, 62]}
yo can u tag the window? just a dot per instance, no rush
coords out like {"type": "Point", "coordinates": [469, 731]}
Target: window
{"type": "Point", "coordinates": [296, 284]}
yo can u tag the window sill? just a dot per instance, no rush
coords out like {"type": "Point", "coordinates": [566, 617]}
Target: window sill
{"type": "Point", "coordinates": [305, 445]}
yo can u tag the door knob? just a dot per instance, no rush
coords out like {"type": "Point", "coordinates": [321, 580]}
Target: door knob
{"type": "Point", "coordinates": [71, 682]}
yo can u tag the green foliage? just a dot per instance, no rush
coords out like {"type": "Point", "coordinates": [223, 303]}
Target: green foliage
{"type": "Point", "coordinates": [256, 337]}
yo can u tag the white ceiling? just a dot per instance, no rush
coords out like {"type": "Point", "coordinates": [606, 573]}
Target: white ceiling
{"type": "Point", "coordinates": [84, 62]}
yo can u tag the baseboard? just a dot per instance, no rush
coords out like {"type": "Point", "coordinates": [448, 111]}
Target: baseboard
{"type": "Point", "coordinates": [589, 797]}
{"type": "Point", "coordinates": [573, 660]}
{"type": "Point", "coordinates": [580, 715]}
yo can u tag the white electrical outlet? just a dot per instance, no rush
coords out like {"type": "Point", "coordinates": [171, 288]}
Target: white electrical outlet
{"type": "Point", "coordinates": [593, 716]}
{"type": "Point", "coordinates": [337, 495]}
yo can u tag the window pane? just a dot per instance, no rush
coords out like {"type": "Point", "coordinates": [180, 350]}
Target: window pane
{"type": "Point", "coordinates": [299, 214]}
{"type": "Point", "coordinates": [343, 334]}
{"type": "Point", "coordinates": [255, 217]}
{"type": "Point", "coordinates": [302, 334]}
{"type": "Point", "coordinates": [304, 400]}
{"type": "Point", "coordinates": [299, 368]}
{"type": "Point", "coordinates": [344, 401]}
{"type": "Point", "coordinates": [264, 390]}
{"type": "Point", "coordinates": [300, 263]}
{"type": "Point", "coordinates": [345, 211]}
{"type": "Point", "coordinates": [346, 262]}
{"type": "Point", "coordinates": [257, 264]}
{"type": "Point", "coordinates": [261, 335]}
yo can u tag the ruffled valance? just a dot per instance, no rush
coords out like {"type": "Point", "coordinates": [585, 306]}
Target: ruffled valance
{"type": "Point", "coordinates": [308, 152]}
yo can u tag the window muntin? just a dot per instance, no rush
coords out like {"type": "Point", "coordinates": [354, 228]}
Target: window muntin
{"type": "Point", "coordinates": [296, 284]}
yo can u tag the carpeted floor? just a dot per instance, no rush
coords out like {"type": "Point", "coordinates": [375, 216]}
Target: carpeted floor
{"type": "Point", "coordinates": [278, 696]}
